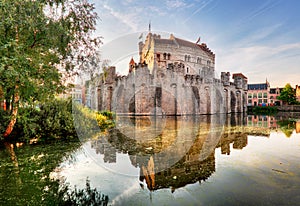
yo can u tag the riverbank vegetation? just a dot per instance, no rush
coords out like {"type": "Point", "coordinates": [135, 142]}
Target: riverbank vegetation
{"type": "Point", "coordinates": [43, 43]}
{"type": "Point", "coordinates": [288, 95]}
{"type": "Point", "coordinates": [268, 110]}
{"type": "Point", "coordinates": [43, 137]}
{"type": "Point", "coordinates": [54, 120]}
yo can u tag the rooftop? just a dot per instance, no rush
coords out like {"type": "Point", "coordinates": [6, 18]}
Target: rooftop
{"type": "Point", "coordinates": [183, 43]}
{"type": "Point", "coordinates": [263, 86]}
{"type": "Point", "coordinates": [239, 75]}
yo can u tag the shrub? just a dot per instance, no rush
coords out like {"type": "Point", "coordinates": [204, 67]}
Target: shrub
{"type": "Point", "coordinates": [264, 110]}
{"type": "Point", "coordinates": [105, 119]}
{"type": "Point", "coordinates": [51, 120]}
{"type": "Point", "coordinates": [56, 119]}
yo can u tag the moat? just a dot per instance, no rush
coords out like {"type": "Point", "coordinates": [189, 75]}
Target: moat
{"type": "Point", "coordinates": [188, 160]}
{"type": "Point", "coordinates": [202, 160]}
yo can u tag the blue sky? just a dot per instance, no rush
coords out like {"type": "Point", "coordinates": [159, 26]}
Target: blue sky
{"type": "Point", "coordinates": [260, 38]}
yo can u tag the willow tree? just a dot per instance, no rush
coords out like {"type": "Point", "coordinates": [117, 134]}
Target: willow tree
{"type": "Point", "coordinates": [42, 42]}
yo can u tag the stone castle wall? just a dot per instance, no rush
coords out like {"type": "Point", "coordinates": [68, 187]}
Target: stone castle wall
{"type": "Point", "coordinates": [169, 92]}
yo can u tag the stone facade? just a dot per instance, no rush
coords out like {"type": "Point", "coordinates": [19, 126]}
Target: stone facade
{"type": "Point", "coordinates": [174, 77]}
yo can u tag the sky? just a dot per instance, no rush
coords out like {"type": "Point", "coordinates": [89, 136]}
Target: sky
{"type": "Point", "coordinates": [259, 38]}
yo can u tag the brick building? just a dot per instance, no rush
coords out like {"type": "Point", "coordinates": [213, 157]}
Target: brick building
{"type": "Point", "coordinates": [263, 94]}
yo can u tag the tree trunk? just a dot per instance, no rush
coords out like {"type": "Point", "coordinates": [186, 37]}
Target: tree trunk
{"type": "Point", "coordinates": [14, 114]}
{"type": "Point", "coordinates": [13, 156]}
{"type": "Point", "coordinates": [11, 151]}
{"type": "Point", "coordinates": [15, 104]}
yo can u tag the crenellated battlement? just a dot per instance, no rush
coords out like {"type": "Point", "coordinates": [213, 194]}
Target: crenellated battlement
{"type": "Point", "coordinates": [173, 77]}
{"type": "Point", "coordinates": [204, 47]}
{"type": "Point", "coordinates": [193, 79]}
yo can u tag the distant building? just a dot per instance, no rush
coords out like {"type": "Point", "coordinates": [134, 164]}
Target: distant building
{"type": "Point", "coordinates": [298, 126]}
{"type": "Point", "coordinates": [262, 94]}
{"type": "Point", "coordinates": [76, 94]}
{"type": "Point", "coordinates": [273, 94]}
{"type": "Point", "coordinates": [298, 93]}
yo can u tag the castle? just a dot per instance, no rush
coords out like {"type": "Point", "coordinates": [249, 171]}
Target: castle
{"type": "Point", "coordinates": [173, 77]}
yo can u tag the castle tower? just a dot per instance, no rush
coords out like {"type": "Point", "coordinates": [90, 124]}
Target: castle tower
{"type": "Point", "coordinates": [240, 81]}
{"type": "Point", "coordinates": [131, 65]}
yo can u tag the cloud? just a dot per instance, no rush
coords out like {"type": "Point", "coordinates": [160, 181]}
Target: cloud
{"type": "Point", "coordinates": [157, 10]}
{"type": "Point", "coordinates": [202, 5]}
{"type": "Point", "coordinates": [174, 4]}
{"type": "Point", "coordinates": [129, 18]}
{"type": "Point", "coordinates": [265, 7]}
{"type": "Point", "coordinates": [258, 62]}
{"type": "Point", "coordinates": [264, 32]}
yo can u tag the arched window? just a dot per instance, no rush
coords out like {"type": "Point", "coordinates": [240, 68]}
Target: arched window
{"type": "Point", "coordinates": [165, 56]}
{"type": "Point", "coordinates": [189, 58]}
{"type": "Point", "coordinates": [185, 58]}
{"type": "Point", "coordinates": [187, 70]}
{"type": "Point", "coordinates": [169, 56]}
{"type": "Point", "coordinates": [158, 57]}
{"type": "Point", "coordinates": [208, 62]}
{"type": "Point", "coordinates": [198, 60]}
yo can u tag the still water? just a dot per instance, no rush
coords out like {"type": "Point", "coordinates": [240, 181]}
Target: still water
{"type": "Point", "coordinates": [203, 160]}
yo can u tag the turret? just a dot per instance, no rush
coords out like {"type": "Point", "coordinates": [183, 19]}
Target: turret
{"type": "Point", "coordinates": [225, 78]}
{"type": "Point", "coordinates": [240, 81]}
{"type": "Point", "coordinates": [131, 65]}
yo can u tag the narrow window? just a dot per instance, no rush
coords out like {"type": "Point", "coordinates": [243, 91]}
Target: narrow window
{"type": "Point", "coordinates": [265, 95]}
{"type": "Point", "coordinates": [259, 95]}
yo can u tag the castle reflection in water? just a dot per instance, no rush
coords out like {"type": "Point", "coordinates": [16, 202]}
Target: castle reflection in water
{"type": "Point", "coordinates": [172, 152]}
